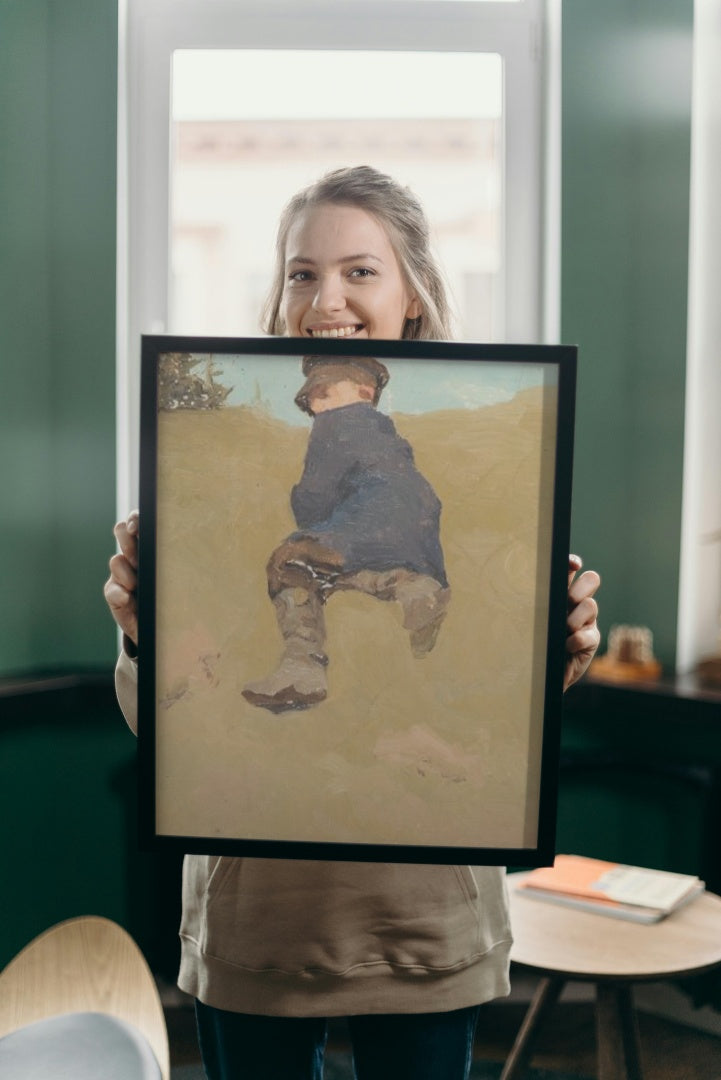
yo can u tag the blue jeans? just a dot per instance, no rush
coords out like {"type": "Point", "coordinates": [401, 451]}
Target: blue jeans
{"type": "Point", "coordinates": [416, 1046]}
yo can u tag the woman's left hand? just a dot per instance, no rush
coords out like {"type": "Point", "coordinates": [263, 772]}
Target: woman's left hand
{"type": "Point", "coordinates": [583, 636]}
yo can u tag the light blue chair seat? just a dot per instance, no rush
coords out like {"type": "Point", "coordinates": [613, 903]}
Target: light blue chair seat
{"type": "Point", "coordinates": [78, 1046]}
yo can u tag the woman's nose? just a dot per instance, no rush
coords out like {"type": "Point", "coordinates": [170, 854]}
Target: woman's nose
{"type": "Point", "coordinates": [329, 296]}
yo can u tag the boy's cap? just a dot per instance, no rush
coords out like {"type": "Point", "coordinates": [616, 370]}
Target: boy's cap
{"type": "Point", "coordinates": [326, 370]}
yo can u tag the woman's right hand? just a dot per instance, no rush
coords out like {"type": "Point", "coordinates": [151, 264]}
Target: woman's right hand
{"type": "Point", "coordinates": [121, 587]}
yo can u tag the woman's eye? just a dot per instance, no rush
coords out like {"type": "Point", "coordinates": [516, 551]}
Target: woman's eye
{"type": "Point", "coordinates": [362, 272]}
{"type": "Point", "coordinates": [300, 276]}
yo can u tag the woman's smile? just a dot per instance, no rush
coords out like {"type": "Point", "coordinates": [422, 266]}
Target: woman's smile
{"type": "Point", "coordinates": [334, 331]}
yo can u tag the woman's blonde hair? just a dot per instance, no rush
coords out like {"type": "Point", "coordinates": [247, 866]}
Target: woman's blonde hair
{"type": "Point", "coordinates": [400, 212]}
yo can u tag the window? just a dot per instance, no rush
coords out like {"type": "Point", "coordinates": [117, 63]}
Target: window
{"type": "Point", "coordinates": [447, 95]}
{"type": "Point", "coordinates": [235, 161]}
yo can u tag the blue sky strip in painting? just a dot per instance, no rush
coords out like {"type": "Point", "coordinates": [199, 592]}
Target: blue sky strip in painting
{"type": "Point", "coordinates": [415, 386]}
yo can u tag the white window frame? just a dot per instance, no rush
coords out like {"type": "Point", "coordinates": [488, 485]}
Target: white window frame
{"type": "Point", "coordinates": [699, 598]}
{"type": "Point", "coordinates": [525, 34]}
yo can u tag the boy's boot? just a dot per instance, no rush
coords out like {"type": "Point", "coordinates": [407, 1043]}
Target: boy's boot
{"type": "Point", "coordinates": [300, 679]}
{"type": "Point", "coordinates": [424, 601]}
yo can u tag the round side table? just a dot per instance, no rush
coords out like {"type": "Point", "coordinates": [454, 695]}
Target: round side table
{"type": "Point", "coordinates": [563, 944]}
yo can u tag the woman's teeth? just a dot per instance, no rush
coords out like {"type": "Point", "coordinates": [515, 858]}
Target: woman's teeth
{"type": "Point", "coordinates": [336, 332]}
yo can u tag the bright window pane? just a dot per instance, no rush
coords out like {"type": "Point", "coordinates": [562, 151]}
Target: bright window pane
{"type": "Point", "coordinates": [252, 127]}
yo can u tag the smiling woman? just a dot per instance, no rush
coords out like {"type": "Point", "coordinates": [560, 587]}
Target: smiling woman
{"type": "Point", "coordinates": [353, 259]}
{"type": "Point", "coordinates": [386, 940]}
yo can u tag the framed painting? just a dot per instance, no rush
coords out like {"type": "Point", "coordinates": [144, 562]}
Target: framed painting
{"type": "Point", "coordinates": [352, 597]}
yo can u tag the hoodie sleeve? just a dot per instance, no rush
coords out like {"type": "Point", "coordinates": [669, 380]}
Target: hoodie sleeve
{"type": "Point", "coordinates": [126, 688]}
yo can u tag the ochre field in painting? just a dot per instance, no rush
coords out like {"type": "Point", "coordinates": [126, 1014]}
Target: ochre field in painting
{"type": "Point", "coordinates": [438, 751]}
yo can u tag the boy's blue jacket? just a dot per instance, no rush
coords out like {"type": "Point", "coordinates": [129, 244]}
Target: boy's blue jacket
{"type": "Point", "coordinates": [362, 495]}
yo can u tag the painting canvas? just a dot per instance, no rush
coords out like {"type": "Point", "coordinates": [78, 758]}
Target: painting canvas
{"type": "Point", "coordinates": [353, 567]}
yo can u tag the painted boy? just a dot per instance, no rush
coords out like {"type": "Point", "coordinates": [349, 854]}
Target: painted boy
{"type": "Point", "coordinates": [367, 520]}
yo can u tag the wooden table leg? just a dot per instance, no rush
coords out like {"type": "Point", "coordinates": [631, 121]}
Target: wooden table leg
{"type": "Point", "coordinates": [545, 997]}
{"type": "Point", "coordinates": [617, 1033]}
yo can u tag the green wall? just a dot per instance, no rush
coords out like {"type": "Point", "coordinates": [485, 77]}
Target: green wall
{"type": "Point", "coordinates": [625, 200]}
{"type": "Point", "coordinates": [68, 807]}
{"type": "Point", "coordinates": [67, 763]}
{"type": "Point", "coordinates": [58, 71]}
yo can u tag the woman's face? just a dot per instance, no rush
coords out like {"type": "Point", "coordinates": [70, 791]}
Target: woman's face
{"type": "Point", "coordinates": [342, 277]}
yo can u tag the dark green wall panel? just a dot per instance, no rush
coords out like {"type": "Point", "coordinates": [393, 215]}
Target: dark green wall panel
{"type": "Point", "coordinates": [82, 204]}
{"type": "Point", "coordinates": [641, 777]}
{"type": "Point", "coordinates": [26, 397]}
{"type": "Point", "coordinates": [626, 147]}
{"type": "Point", "coordinates": [58, 76]}
{"type": "Point", "coordinates": [69, 842]}
{"type": "Point", "coordinates": [68, 804]}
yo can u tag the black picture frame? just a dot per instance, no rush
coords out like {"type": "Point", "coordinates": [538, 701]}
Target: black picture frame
{"type": "Point", "coordinates": [449, 757]}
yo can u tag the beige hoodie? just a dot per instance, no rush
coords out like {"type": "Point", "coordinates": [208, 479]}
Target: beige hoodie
{"type": "Point", "coordinates": [299, 938]}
